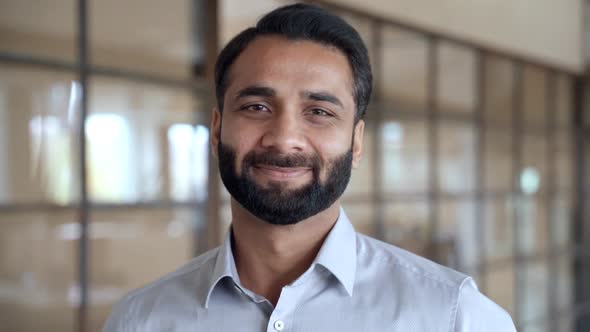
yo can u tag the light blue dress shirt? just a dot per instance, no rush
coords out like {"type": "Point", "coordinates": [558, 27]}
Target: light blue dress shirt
{"type": "Point", "coordinates": [355, 283]}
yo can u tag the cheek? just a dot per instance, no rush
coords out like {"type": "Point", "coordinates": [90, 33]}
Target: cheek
{"type": "Point", "coordinates": [337, 140]}
{"type": "Point", "coordinates": [331, 147]}
{"type": "Point", "coordinates": [235, 134]}
{"type": "Point", "coordinates": [240, 139]}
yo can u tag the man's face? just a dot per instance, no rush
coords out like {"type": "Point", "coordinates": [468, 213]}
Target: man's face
{"type": "Point", "coordinates": [286, 141]}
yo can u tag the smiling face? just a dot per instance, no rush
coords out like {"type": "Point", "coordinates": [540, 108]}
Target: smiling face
{"type": "Point", "coordinates": [287, 139]}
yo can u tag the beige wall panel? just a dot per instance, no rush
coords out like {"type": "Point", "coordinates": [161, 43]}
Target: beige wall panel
{"type": "Point", "coordinates": [547, 30]}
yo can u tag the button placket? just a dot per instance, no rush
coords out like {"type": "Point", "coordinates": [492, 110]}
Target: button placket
{"type": "Point", "coordinates": [290, 296]}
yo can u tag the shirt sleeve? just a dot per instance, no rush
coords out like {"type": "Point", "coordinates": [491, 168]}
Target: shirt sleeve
{"type": "Point", "coordinates": [120, 318]}
{"type": "Point", "coordinates": [476, 312]}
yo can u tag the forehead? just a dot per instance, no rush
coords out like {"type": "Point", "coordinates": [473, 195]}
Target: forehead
{"type": "Point", "coordinates": [279, 62]}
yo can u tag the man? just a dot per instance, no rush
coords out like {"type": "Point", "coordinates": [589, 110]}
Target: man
{"type": "Point", "coordinates": [287, 130]}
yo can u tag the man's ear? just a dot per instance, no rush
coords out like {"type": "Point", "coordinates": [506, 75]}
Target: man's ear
{"type": "Point", "coordinates": [357, 143]}
{"type": "Point", "coordinates": [215, 132]}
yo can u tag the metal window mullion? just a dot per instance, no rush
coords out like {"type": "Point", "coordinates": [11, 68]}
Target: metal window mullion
{"type": "Point", "coordinates": [433, 153]}
{"type": "Point", "coordinates": [84, 247]}
{"type": "Point", "coordinates": [198, 26]}
{"type": "Point", "coordinates": [580, 211]}
{"type": "Point", "coordinates": [31, 60]}
{"type": "Point", "coordinates": [377, 118]}
{"type": "Point", "coordinates": [517, 104]}
{"type": "Point", "coordinates": [213, 227]}
{"type": "Point", "coordinates": [105, 71]}
{"type": "Point", "coordinates": [551, 116]}
{"type": "Point", "coordinates": [479, 153]}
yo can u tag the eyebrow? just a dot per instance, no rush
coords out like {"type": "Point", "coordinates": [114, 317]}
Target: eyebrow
{"type": "Point", "coordinates": [264, 91]}
{"type": "Point", "coordinates": [255, 90]}
{"type": "Point", "coordinates": [323, 96]}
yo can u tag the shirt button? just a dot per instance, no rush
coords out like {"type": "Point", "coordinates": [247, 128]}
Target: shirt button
{"type": "Point", "coordinates": [279, 325]}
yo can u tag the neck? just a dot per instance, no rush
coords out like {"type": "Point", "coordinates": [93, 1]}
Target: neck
{"type": "Point", "coordinates": [269, 257]}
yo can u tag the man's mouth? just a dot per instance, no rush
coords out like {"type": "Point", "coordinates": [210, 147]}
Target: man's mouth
{"type": "Point", "coordinates": [281, 173]}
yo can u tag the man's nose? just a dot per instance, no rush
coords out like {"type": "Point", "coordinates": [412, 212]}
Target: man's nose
{"type": "Point", "coordinates": [284, 134]}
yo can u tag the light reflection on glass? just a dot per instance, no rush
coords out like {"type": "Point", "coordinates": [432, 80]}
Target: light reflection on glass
{"type": "Point", "coordinates": [456, 146]}
{"type": "Point", "coordinates": [109, 157]}
{"type": "Point", "coordinates": [404, 148]}
{"type": "Point", "coordinates": [393, 133]}
{"type": "Point", "coordinates": [529, 181]}
{"type": "Point", "coordinates": [51, 157]}
{"type": "Point", "coordinates": [73, 101]}
{"type": "Point", "coordinates": [188, 161]}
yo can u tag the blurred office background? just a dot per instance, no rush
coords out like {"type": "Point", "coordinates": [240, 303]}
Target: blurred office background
{"type": "Point", "coordinates": [476, 149]}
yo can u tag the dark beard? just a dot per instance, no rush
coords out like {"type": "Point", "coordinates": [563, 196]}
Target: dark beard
{"type": "Point", "coordinates": [276, 204]}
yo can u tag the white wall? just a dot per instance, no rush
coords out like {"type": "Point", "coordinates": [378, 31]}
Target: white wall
{"type": "Point", "coordinates": [548, 31]}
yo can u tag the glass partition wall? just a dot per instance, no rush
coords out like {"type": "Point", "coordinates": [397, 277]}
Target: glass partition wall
{"type": "Point", "coordinates": [103, 154]}
{"type": "Point", "coordinates": [106, 180]}
{"type": "Point", "coordinates": [472, 165]}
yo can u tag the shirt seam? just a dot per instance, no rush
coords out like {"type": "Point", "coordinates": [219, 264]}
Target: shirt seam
{"type": "Point", "coordinates": [173, 275]}
{"type": "Point", "coordinates": [455, 308]}
{"type": "Point", "coordinates": [395, 261]}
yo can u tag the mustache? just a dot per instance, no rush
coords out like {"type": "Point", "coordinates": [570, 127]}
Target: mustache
{"type": "Point", "coordinates": [272, 158]}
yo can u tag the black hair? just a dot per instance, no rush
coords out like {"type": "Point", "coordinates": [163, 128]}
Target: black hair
{"type": "Point", "coordinates": [304, 22]}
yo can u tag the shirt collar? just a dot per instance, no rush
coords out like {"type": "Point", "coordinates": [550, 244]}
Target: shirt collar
{"type": "Point", "coordinates": [337, 255]}
{"type": "Point", "coordinates": [225, 266]}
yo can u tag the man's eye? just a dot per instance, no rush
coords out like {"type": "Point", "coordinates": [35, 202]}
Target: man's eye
{"type": "Point", "coordinates": [320, 112]}
{"type": "Point", "coordinates": [255, 108]}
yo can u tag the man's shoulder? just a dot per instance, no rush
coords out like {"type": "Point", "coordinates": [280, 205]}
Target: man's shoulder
{"type": "Point", "coordinates": [191, 274]}
{"type": "Point", "coordinates": [392, 259]}
{"type": "Point", "coordinates": [416, 282]}
{"type": "Point", "coordinates": [176, 289]}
